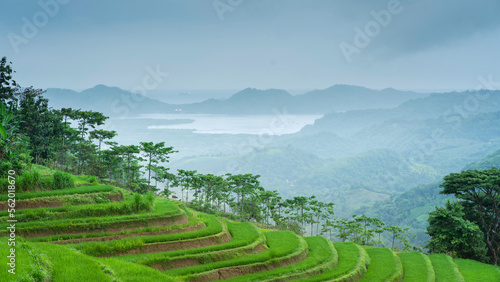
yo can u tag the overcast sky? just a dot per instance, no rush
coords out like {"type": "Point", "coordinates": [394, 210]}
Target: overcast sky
{"type": "Point", "coordinates": [234, 44]}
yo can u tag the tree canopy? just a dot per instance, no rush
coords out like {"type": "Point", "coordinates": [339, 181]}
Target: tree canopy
{"type": "Point", "coordinates": [479, 192]}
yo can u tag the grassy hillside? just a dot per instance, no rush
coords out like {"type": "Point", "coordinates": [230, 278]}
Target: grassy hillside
{"type": "Point", "coordinates": [137, 238]}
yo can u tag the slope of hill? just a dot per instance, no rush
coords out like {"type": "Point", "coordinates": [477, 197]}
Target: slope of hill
{"type": "Point", "coordinates": [492, 160]}
{"type": "Point", "coordinates": [411, 208]}
{"type": "Point", "coordinates": [170, 242]}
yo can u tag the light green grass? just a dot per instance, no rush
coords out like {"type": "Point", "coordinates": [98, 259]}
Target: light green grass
{"type": "Point", "coordinates": [321, 251]}
{"type": "Point", "coordinates": [63, 192]}
{"type": "Point", "coordinates": [84, 180]}
{"type": "Point", "coordinates": [243, 234]}
{"type": "Point", "coordinates": [476, 271]}
{"type": "Point", "coordinates": [163, 209]}
{"type": "Point", "coordinates": [445, 269]}
{"type": "Point", "coordinates": [213, 226]}
{"type": "Point", "coordinates": [44, 171]}
{"type": "Point", "coordinates": [384, 265]}
{"type": "Point", "coordinates": [352, 259]}
{"type": "Point", "coordinates": [192, 220]}
{"type": "Point", "coordinates": [72, 211]}
{"type": "Point", "coordinates": [131, 272]}
{"type": "Point", "coordinates": [280, 243]}
{"type": "Point", "coordinates": [68, 265]}
{"type": "Point", "coordinates": [30, 263]}
{"type": "Point", "coordinates": [416, 267]}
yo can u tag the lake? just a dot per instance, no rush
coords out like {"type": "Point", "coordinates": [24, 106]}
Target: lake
{"type": "Point", "coordinates": [278, 124]}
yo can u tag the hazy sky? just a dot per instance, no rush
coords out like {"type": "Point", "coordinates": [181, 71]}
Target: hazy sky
{"type": "Point", "coordinates": [234, 44]}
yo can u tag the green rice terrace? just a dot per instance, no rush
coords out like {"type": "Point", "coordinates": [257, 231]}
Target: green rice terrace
{"type": "Point", "coordinates": [97, 232]}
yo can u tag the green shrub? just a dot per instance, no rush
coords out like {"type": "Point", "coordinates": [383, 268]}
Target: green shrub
{"type": "Point", "coordinates": [136, 205]}
{"type": "Point", "coordinates": [150, 201]}
{"type": "Point", "coordinates": [142, 203]}
{"type": "Point", "coordinates": [92, 179]}
{"type": "Point", "coordinates": [4, 185]}
{"type": "Point", "coordinates": [29, 181]}
{"type": "Point", "coordinates": [62, 180]}
{"type": "Point", "coordinates": [46, 182]}
{"type": "Point", "coordinates": [5, 166]}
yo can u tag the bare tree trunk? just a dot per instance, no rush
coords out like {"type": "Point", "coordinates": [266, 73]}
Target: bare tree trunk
{"type": "Point", "coordinates": [317, 226]}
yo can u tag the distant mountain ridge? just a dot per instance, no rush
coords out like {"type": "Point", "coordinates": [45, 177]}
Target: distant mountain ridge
{"type": "Point", "coordinates": [338, 98]}
{"type": "Point", "coordinates": [114, 101]}
{"type": "Point", "coordinates": [452, 107]}
{"type": "Point", "coordinates": [348, 97]}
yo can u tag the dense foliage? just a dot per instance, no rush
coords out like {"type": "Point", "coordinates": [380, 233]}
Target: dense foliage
{"type": "Point", "coordinates": [476, 215]}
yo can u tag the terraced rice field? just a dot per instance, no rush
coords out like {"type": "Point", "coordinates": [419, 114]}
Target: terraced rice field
{"type": "Point", "coordinates": [93, 233]}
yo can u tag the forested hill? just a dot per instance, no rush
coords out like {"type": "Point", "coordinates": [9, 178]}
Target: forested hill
{"type": "Point", "coordinates": [349, 182]}
{"type": "Point", "coordinates": [492, 160]}
{"type": "Point", "coordinates": [411, 208]}
{"type": "Point", "coordinates": [113, 101]}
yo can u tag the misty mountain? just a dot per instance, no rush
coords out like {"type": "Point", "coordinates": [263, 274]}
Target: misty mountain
{"type": "Point", "coordinates": [492, 160]}
{"type": "Point", "coordinates": [451, 107]}
{"type": "Point", "coordinates": [341, 98]}
{"type": "Point", "coordinates": [337, 98]}
{"type": "Point", "coordinates": [423, 126]}
{"type": "Point", "coordinates": [113, 101]}
{"type": "Point", "coordinates": [245, 102]}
